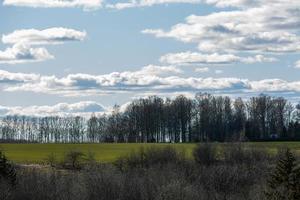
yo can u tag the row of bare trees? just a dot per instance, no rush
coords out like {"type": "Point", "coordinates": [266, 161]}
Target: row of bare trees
{"type": "Point", "coordinates": [153, 119]}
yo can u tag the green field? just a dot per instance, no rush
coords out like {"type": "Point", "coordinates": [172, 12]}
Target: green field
{"type": "Point", "coordinates": [37, 153]}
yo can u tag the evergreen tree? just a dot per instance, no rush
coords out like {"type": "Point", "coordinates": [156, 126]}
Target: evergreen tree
{"type": "Point", "coordinates": [284, 182]}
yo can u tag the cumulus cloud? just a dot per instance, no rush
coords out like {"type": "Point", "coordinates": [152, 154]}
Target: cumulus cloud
{"type": "Point", "coordinates": [85, 4]}
{"type": "Point", "coordinates": [83, 108]}
{"type": "Point", "coordinates": [22, 53]}
{"type": "Point", "coordinates": [147, 3]}
{"type": "Point", "coordinates": [145, 80]}
{"type": "Point", "coordinates": [24, 44]}
{"type": "Point", "coordinates": [13, 78]}
{"type": "Point", "coordinates": [186, 58]}
{"type": "Point", "coordinates": [218, 3]}
{"type": "Point", "coordinates": [83, 84]}
{"type": "Point", "coordinates": [275, 85]}
{"type": "Point", "coordinates": [55, 35]}
{"type": "Point", "coordinates": [254, 29]}
{"type": "Point", "coordinates": [118, 82]}
{"type": "Point", "coordinates": [233, 3]}
{"type": "Point", "coordinates": [159, 70]}
{"type": "Point", "coordinates": [245, 3]}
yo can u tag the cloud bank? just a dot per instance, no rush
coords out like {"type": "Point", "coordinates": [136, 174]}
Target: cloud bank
{"type": "Point", "coordinates": [186, 58]}
{"type": "Point", "coordinates": [147, 3]}
{"type": "Point", "coordinates": [150, 79]}
{"type": "Point", "coordinates": [83, 108]}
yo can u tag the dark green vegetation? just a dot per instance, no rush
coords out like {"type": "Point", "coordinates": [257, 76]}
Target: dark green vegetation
{"type": "Point", "coordinates": [237, 172]}
{"type": "Point", "coordinates": [8, 177]}
{"type": "Point", "coordinates": [284, 183]}
{"type": "Point", "coordinates": [155, 120]}
{"type": "Point", "coordinates": [107, 152]}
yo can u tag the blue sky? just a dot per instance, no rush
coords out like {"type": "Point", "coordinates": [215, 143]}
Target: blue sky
{"type": "Point", "coordinates": [58, 54]}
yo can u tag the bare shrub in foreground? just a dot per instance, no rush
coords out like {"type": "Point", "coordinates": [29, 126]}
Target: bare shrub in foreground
{"type": "Point", "coordinates": [35, 184]}
{"type": "Point", "coordinates": [178, 191]}
{"type": "Point", "coordinates": [103, 184]}
{"type": "Point", "coordinates": [241, 154]}
{"type": "Point", "coordinates": [147, 157]}
{"type": "Point", "coordinates": [5, 190]}
{"type": "Point", "coordinates": [228, 182]}
{"type": "Point", "coordinates": [149, 174]}
{"type": "Point", "coordinates": [205, 154]}
{"type": "Point", "coordinates": [74, 159]}
{"type": "Point", "coordinates": [51, 160]}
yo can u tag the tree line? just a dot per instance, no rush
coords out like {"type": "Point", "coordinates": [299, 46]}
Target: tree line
{"type": "Point", "coordinates": [153, 119]}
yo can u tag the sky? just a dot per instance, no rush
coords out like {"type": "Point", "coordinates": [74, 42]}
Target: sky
{"type": "Point", "coordinates": [84, 56]}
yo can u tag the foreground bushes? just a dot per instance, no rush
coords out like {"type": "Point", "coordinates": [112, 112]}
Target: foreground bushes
{"type": "Point", "coordinates": [284, 183]}
{"type": "Point", "coordinates": [7, 177]}
{"type": "Point", "coordinates": [151, 156]}
{"type": "Point", "coordinates": [237, 173]}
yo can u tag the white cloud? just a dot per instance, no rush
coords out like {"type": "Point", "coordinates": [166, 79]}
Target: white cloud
{"type": "Point", "coordinates": [198, 58]}
{"type": "Point", "coordinates": [297, 64]}
{"type": "Point", "coordinates": [158, 70]}
{"type": "Point", "coordinates": [202, 70]}
{"type": "Point", "coordinates": [25, 41]}
{"type": "Point", "coordinates": [218, 3]}
{"type": "Point", "coordinates": [9, 77]}
{"type": "Point", "coordinates": [83, 108]}
{"type": "Point", "coordinates": [142, 81]}
{"type": "Point", "coordinates": [247, 3]}
{"type": "Point", "coordinates": [234, 3]}
{"type": "Point", "coordinates": [186, 58]}
{"type": "Point", "coordinates": [275, 85]}
{"type": "Point", "coordinates": [147, 3]}
{"type": "Point", "coordinates": [55, 35]}
{"type": "Point", "coordinates": [258, 59]}
{"type": "Point", "coordinates": [85, 4]}
{"type": "Point", "coordinates": [139, 82]}
{"type": "Point", "coordinates": [21, 53]}
{"type": "Point", "coordinates": [252, 29]}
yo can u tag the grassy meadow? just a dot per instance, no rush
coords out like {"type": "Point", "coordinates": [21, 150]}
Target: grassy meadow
{"type": "Point", "coordinates": [108, 152]}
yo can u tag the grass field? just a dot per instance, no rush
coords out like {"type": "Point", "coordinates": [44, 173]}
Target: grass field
{"type": "Point", "coordinates": [37, 153]}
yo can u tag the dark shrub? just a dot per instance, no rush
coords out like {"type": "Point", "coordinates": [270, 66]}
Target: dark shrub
{"type": "Point", "coordinates": [8, 177]}
{"type": "Point", "coordinates": [51, 160]}
{"type": "Point", "coordinates": [205, 154]}
{"type": "Point", "coordinates": [5, 190]}
{"type": "Point", "coordinates": [74, 159]}
{"type": "Point", "coordinates": [227, 182]}
{"type": "Point", "coordinates": [103, 184]}
{"type": "Point", "coordinates": [241, 154]}
{"type": "Point", "coordinates": [7, 170]}
{"type": "Point", "coordinates": [37, 184]}
{"type": "Point", "coordinates": [178, 191]}
{"type": "Point", "coordinates": [284, 182]}
{"type": "Point", "coordinates": [151, 156]}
